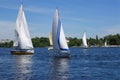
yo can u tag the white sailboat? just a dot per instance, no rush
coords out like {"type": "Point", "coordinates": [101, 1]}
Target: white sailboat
{"type": "Point", "coordinates": [22, 43]}
{"type": "Point", "coordinates": [105, 44]}
{"type": "Point", "coordinates": [58, 37]}
{"type": "Point", "coordinates": [84, 41]}
{"type": "Point", "coordinates": [51, 43]}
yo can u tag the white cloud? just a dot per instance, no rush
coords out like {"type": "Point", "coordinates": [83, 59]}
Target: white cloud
{"type": "Point", "coordinates": [113, 29]}
{"type": "Point", "coordinates": [38, 10]}
{"type": "Point", "coordinates": [78, 19]}
{"type": "Point", "coordinates": [8, 7]}
{"type": "Point", "coordinates": [29, 8]}
{"type": "Point", "coordinates": [6, 29]}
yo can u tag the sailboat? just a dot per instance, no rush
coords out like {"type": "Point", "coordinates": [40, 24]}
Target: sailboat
{"type": "Point", "coordinates": [51, 43]}
{"type": "Point", "coordinates": [105, 45]}
{"type": "Point", "coordinates": [22, 43]}
{"type": "Point", "coordinates": [60, 46]}
{"type": "Point", "coordinates": [84, 41]}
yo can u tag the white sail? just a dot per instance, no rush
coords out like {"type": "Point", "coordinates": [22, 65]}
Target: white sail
{"type": "Point", "coordinates": [84, 40]}
{"type": "Point", "coordinates": [105, 44]}
{"type": "Point", "coordinates": [51, 43]}
{"type": "Point", "coordinates": [54, 30]}
{"type": "Point", "coordinates": [50, 39]}
{"type": "Point", "coordinates": [59, 41]}
{"type": "Point", "coordinates": [62, 40]}
{"type": "Point", "coordinates": [23, 40]}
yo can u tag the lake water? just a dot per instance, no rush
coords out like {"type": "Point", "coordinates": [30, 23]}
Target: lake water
{"type": "Point", "coordinates": [84, 64]}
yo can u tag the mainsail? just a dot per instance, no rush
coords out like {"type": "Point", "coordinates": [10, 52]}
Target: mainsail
{"type": "Point", "coordinates": [84, 40]}
{"type": "Point", "coordinates": [22, 36]}
{"type": "Point", "coordinates": [58, 37]}
{"type": "Point", "coordinates": [105, 44]}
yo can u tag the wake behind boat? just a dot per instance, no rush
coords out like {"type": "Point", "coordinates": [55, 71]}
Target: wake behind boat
{"type": "Point", "coordinates": [22, 43]}
{"type": "Point", "coordinates": [60, 47]}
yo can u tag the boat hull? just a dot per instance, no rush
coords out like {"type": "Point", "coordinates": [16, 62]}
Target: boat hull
{"type": "Point", "coordinates": [85, 47]}
{"type": "Point", "coordinates": [50, 48]}
{"type": "Point", "coordinates": [60, 53]}
{"type": "Point", "coordinates": [22, 52]}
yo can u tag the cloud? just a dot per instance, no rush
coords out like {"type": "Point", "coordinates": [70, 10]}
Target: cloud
{"type": "Point", "coordinates": [38, 10]}
{"type": "Point", "coordinates": [6, 29]}
{"type": "Point", "coordinates": [73, 18]}
{"type": "Point", "coordinates": [79, 19]}
{"type": "Point", "coordinates": [113, 29]}
{"type": "Point", "coordinates": [8, 7]}
{"type": "Point", "coordinates": [30, 9]}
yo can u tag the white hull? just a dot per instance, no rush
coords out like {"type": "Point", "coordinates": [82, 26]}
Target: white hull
{"type": "Point", "coordinates": [50, 48]}
{"type": "Point", "coordinates": [85, 47]}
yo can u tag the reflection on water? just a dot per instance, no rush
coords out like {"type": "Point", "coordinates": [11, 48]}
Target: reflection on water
{"type": "Point", "coordinates": [85, 70]}
{"type": "Point", "coordinates": [85, 51]}
{"type": "Point", "coordinates": [94, 64]}
{"type": "Point", "coordinates": [23, 64]}
{"type": "Point", "coordinates": [60, 69]}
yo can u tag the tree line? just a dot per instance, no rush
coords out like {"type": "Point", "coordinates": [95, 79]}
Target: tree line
{"type": "Point", "coordinates": [44, 41]}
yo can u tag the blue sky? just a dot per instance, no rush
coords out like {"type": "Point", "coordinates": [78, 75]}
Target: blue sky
{"type": "Point", "coordinates": [95, 17]}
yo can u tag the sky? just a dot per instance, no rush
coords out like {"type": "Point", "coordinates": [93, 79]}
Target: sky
{"type": "Point", "coordinates": [95, 17]}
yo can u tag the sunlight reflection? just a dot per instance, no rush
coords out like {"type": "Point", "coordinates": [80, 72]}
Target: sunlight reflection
{"type": "Point", "coordinates": [23, 67]}
{"type": "Point", "coordinates": [60, 69]}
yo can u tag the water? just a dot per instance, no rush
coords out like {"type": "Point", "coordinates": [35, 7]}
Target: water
{"type": "Point", "coordinates": [84, 64]}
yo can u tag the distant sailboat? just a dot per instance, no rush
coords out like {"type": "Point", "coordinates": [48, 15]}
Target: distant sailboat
{"type": "Point", "coordinates": [58, 37]}
{"type": "Point", "coordinates": [105, 44]}
{"type": "Point", "coordinates": [50, 40]}
{"type": "Point", "coordinates": [84, 41]}
{"type": "Point", "coordinates": [22, 43]}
